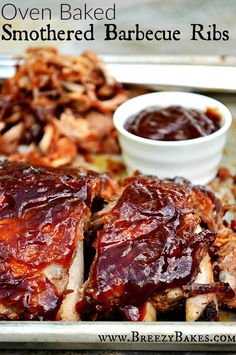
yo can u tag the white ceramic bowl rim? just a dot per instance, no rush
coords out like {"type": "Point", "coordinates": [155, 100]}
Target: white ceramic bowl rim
{"type": "Point", "coordinates": [224, 111]}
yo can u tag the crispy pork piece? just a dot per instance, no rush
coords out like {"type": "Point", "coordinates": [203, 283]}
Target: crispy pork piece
{"type": "Point", "coordinates": [225, 187]}
{"type": "Point", "coordinates": [151, 242]}
{"type": "Point", "coordinates": [226, 263]}
{"type": "Point", "coordinates": [43, 215]}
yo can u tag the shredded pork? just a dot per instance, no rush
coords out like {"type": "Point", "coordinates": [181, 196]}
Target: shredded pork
{"type": "Point", "coordinates": [61, 106]}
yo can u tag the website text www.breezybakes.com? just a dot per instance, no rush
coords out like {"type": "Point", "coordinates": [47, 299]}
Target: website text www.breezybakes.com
{"type": "Point", "coordinates": [176, 337]}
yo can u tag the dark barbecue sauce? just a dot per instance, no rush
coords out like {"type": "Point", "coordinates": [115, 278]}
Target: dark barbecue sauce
{"type": "Point", "coordinates": [173, 123]}
{"type": "Point", "coordinates": [40, 212]}
{"type": "Point", "coordinates": [148, 245]}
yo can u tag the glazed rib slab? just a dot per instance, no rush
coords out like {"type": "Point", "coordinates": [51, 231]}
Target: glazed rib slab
{"type": "Point", "coordinates": [150, 244]}
{"type": "Point", "coordinates": [44, 213]}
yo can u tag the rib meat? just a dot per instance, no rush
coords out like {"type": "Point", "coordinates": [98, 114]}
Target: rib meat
{"type": "Point", "coordinates": [225, 187]}
{"type": "Point", "coordinates": [43, 215]}
{"type": "Point", "coordinates": [203, 306]}
{"type": "Point", "coordinates": [150, 243]}
{"type": "Point", "coordinates": [226, 265]}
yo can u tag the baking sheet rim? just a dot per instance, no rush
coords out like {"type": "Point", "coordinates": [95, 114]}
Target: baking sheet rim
{"type": "Point", "coordinates": [84, 335]}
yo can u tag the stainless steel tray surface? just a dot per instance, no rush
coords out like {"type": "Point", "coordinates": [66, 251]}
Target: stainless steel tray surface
{"type": "Point", "coordinates": [163, 72]}
{"type": "Point", "coordinates": [160, 336]}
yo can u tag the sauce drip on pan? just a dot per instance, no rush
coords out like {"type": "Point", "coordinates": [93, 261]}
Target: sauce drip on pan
{"type": "Point", "coordinates": [173, 123]}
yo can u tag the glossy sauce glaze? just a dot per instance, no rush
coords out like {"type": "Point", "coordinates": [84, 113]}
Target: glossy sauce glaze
{"type": "Point", "coordinates": [148, 244]}
{"type": "Point", "coordinates": [40, 214]}
{"type": "Point", "coordinates": [173, 123]}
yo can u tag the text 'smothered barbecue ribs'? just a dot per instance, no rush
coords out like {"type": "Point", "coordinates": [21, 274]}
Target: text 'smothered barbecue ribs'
{"type": "Point", "coordinates": [152, 239]}
{"type": "Point", "coordinates": [43, 215]}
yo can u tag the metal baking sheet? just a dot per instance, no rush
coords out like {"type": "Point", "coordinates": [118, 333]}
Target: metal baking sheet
{"type": "Point", "coordinates": [160, 335]}
{"type": "Point", "coordinates": [118, 336]}
{"type": "Point", "coordinates": [163, 72]}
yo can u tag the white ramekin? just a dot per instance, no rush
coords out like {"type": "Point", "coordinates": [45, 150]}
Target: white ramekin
{"type": "Point", "coordinates": [195, 159]}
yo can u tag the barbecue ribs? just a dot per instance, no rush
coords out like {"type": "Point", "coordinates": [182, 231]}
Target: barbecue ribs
{"type": "Point", "coordinates": [152, 250]}
{"type": "Point", "coordinates": [152, 238]}
{"type": "Point", "coordinates": [43, 215]}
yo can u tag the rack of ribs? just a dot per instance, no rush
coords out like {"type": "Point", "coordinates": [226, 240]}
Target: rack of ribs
{"type": "Point", "coordinates": [152, 238]}
{"type": "Point", "coordinates": [153, 250]}
{"type": "Point", "coordinates": [43, 215]}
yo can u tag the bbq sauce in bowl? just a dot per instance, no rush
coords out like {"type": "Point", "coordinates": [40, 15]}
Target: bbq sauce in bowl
{"type": "Point", "coordinates": [173, 123]}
